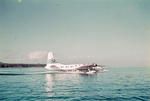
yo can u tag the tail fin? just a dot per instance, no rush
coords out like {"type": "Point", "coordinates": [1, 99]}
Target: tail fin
{"type": "Point", "coordinates": [50, 58]}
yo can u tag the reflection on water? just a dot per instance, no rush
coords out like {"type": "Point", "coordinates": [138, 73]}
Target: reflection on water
{"type": "Point", "coordinates": [54, 81]}
{"type": "Point", "coordinates": [49, 84]}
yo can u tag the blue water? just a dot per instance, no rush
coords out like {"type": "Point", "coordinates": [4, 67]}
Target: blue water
{"type": "Point", "coordinates": [35, 84]}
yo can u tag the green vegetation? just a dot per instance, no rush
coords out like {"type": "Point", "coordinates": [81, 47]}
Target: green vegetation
{"type": "Point", "coordinates": [5, 65]}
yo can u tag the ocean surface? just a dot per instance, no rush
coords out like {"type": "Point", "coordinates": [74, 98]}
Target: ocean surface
{"type": "Point", "coordinates": [36, 84]}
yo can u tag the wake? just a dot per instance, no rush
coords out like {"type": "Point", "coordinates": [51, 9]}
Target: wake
{"type": "Point", "coordinates": [42, 73]}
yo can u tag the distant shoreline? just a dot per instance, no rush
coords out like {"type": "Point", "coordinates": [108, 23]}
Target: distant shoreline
{"type": "Point", "coordinates": [12, 65]}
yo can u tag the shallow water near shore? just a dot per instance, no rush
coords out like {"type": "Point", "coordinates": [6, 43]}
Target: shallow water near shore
{"type": "Point", "coordinates": [37, 84]}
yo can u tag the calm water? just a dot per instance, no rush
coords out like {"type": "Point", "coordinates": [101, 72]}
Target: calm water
{"type": "Point", "coordinates": [35, 84]}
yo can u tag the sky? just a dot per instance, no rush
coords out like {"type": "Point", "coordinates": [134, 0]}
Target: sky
{"type": "Point", "coordinates": [109, 32]}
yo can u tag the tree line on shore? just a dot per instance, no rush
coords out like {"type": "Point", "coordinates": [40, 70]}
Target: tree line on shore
{"type": "Point", "coordinates": [4, 65]}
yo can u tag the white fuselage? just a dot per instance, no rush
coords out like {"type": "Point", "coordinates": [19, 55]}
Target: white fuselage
{"type": "Point", "coordinates": [71, 67]}
{"type": "Point", "coordinates": [59, 66]}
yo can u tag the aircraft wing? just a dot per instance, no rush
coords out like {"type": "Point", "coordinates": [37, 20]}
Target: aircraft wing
{"type": "Point", "coordinates": [86, 67]}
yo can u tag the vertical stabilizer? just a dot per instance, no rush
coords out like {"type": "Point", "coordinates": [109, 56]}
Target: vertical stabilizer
{"type": "Point", "coordinates": [51, 58]}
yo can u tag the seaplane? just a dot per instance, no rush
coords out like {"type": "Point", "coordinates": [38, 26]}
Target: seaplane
{"type": "Point", "coordinates": [53, 65]}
